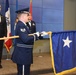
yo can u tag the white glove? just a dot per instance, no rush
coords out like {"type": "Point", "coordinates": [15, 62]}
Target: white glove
{"type": "Point", "coordinates": [37, 33]}
{"type": "Point", "coordinates": [43, 33]}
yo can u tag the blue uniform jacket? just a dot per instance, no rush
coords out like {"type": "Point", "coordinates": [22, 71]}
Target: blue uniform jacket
{"type": "Point", "coordinates": [22, 53]}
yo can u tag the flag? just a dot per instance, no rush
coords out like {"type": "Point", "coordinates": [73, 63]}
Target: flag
{"type": "Point", "coordinates": [63, 52]}
{"type": "Point", "coordinates": [30, 9]}
{"type": "Point", "coordinates": [8, 42]}
{"type": "Point", "coordinates": [16, 5]}
{"type": "Point", "coordinates": [16, 20]}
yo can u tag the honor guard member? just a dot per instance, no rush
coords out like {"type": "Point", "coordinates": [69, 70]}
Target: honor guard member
{"type": "Point", "coordinates": [3, 32]}
{"type": "Point", "coordinates": [31, 24]}
{"type": "Point", "coordinates": [23, 54]}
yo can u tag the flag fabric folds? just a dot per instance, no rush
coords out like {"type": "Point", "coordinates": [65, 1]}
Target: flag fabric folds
{"type": "Point", "coordinates": [16, 5]}
{"type": "Point", "coordinates": [8, 42]}
{"type": "Point", "coordinates": [63, 52]}
{"type": "Point", "coordinates": [16, 16]}
{"type": "Point", "coordinates": [30, 10]}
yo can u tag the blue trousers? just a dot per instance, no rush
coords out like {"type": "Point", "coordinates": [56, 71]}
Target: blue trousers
{"type": "Point", "coordinates": [26, 69]}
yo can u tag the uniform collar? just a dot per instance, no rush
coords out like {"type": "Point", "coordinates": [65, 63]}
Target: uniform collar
{"type": "Point", "coordinates": [23, 23]}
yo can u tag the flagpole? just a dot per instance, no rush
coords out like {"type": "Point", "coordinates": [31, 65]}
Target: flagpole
{"type": "Point", "coordinates": [51, 53]}
{"type": "Point", "coordinates": [12, 37]}
{"type": "Point", "coordinates": [8, 53]}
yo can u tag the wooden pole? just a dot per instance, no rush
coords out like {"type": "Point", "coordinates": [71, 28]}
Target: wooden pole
{"type": "Point", "coordinates": [12, 37]}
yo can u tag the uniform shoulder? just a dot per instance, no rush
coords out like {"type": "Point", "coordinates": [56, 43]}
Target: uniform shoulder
{"type": "Point", "coordinates": [20, 24]}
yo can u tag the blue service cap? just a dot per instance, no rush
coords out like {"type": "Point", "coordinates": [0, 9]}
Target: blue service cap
{"type": "Point", "coordinates": [26, 10]}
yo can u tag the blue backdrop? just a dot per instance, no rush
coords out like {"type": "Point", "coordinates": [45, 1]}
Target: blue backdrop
{"type": "Point", "coordinates": [48, 14]}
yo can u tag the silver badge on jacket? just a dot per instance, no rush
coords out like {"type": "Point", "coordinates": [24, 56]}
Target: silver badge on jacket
{"type": "Point", "coordinates": [23, 30]}
{"type": "Point", "coordinates": [33, 24]}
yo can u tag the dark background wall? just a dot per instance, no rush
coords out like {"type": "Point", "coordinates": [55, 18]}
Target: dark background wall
{"type": "Point", "coordinates": [48, 14]}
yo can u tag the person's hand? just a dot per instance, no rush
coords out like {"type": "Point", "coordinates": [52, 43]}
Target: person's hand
{"type": "Point", "coordinates": [43, 33]}
{"type": "Point", "coordinates": [37, 33]}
